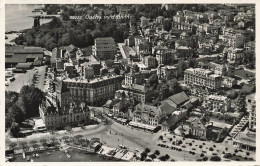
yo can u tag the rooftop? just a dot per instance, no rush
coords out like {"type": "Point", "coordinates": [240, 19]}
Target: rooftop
{"type": "Point", "coordinates": [94, 80]}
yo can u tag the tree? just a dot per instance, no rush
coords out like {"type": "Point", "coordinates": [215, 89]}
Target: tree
{"type": "Point", "coordinates": [143, 156]}
{"type": "Point", "coordinates": [117, 71]}
{"type": "Point", "coordinates": [153, 79]}
{"type": "Point", "coordinates": [15, 114]}
{"type": "Point", "coordinates": [32, 143]}
{"type": "Point", "coordinates": [13, 145]}
{"type": "Point", "coordinates": [68, 129]}
{"type": "Point", "coordinates": [53, 139]}
{"type": "Point", "coordinates": [23, 145]}
{"type": "Point", "coordinates": [29, 100]}
{"type": "Point", "coordinates": [215, 158]}
{"type": "Point", "coordinates": [167, 25]}
{"type": "Point", "coordinates": [79, 137]}
{"type": "Point", "coordinates": [147, 150]}
{"type": "Point", "coordinates": [43, 141]}
{"type": "Point", "coordinates": [164, 92]}
{"type": "Point", "coordinates": [174, 86]}
{"type": "Point", "coordinates": [65, 138]}
{"type": "Point", "coordinates": [15, 129]}
{"type": "Point", "coordinates": [152, 156]}
{"type": "Point", "coordinates": [157, 152]}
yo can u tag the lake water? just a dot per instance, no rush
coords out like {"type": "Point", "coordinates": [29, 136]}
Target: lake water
{"type": "Point", "coordinates": [17, 16]}
{"type": "Point", "coordinates": [58, 156]}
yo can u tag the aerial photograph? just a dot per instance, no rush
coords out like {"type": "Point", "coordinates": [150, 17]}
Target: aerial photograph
{"type": "Point", "coordinates": [130, 82]}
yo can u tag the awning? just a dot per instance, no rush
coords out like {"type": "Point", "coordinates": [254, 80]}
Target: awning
{"type": "Point", "coordinates": [141, 125]}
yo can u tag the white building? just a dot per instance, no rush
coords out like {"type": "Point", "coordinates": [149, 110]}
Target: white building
{"type": "Point", "coordinates": [217, 103]}
{"type": "Point", "coordinates": [104, 48]}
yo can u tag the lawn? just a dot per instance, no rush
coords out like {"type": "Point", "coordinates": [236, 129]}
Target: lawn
{"type": "Point", "coordinates": [243, 73]}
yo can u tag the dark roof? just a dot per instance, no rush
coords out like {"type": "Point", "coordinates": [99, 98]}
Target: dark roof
{"type": "Point", "coordinates": [21, 49]}
{"type": "Point", "coordinates": [197, 123]}
{"type": "Point", "coordinates": [179, 98]}
{"type": "Point", "coordinates": [188, 105]}
{"type": "Point", "coordinates": [167, 108]}
{"type": "Point", "coordinates": [20, 57]}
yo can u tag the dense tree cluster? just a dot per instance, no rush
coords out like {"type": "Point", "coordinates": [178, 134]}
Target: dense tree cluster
{"type": "Point", "coordinates": [19, 106]}
{"type": "Point", "coordinates": [65, 31]}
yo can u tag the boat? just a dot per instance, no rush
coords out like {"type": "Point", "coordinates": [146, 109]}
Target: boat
{"type": "Point", "coordinates": [48, 153]}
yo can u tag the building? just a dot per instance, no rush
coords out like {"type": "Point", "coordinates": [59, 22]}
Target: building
{"type": "Point", "coordinates": [219, 69]}
{"type": "Point", "coordinates": [202, 77]}
{"type": "Point", "coordinates": [228, 82]}
{"type": "Point", "coordinates": [150, 61]}
{"type": "Point", "coordinates": [235, 55]}
{"type": "Point", "coordinates": [140, 93]}
{"type": "Point", "coordinates": [54, 117]}
{"type": "Point", "coordinates": [245, 140]}
{"type": "Point", "coordinates": [159, 20]}
{"type": "Point", "coordinates": [197, 129]}
{"type": "Point", "coordinates": [133, 78]}
{"type": "Point", "coordinates": [177, 100]}
{"type": "Point", "coordinates": [144, 21]}
{"type": "Point", "coordinates": [167, 72]}
{"type": "Point", "coordinates": [104, 48]}
{"type": "Point", "coordinates": [170, 116]}
{"type": "Point", "coordinates": [251, 108]}
{"type": "Point", "coordinates": [86, 71]}
{"type": "Point", "coordinates": [146, 114]}
{"type": "Point", "coordinates": [163, 55]}
{"type": "Point", "coordinates": [217, 103]}
{"type": "Point", "coordinates": [21, 54]}
{"type": "Point", "coordinates": [94, 91]}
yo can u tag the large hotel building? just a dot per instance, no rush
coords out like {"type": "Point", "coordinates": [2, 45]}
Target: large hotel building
{"type": "Point", "coordinates": [202, 77]}
{"type": "Point", "coordinates": [94, 91]}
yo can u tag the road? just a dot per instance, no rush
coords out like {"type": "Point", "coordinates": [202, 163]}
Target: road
{"type": "Point", "coordinates": [113, 135]}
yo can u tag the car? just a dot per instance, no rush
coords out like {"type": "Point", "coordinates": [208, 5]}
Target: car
{"type": "Point", "coordinates": [12, 78]}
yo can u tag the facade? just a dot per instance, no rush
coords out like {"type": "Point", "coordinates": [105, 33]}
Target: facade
{"type": "Point", "coordinates": [55, 117]}
{"type": "Point", "coordinates": [228, 82]}
{"type": "Point", "coordinates": [202, 77]}
{"type": "Point", "coordinates": [217, 103]}
{"type": "Point", "coordinates": [20, 54]}
{"type": "Point", "coordinates": [133, 78]}
{"type": "Point", "coordinates": [150, 61]}
{"type": "Point", "coordinates": [95, 91]}
{"type": "Point", "coordinates": [159, 20]}
{"type": "Point", "coordinates": [104, 48]}
{"type": "Point", "coordinates": [137, 92]}
{"type": "Point", "coordinates": [146, 114]}
{"type": "Point", "coordinates": [167, 72]}
{"type": "Point", "coordinates": [163, 55]}
{"type": "Point", "coordinates": [197, 129]}
{"type": "Point", "coordinates": [235, 55]}
{"type": "Point", "coordinates": [251, 108]}
{"type": "Point", "coordinates": [218, 69]}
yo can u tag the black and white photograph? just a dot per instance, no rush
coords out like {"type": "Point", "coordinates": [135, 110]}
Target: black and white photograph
{"type": "Point", "coordinates": [144, 82]}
